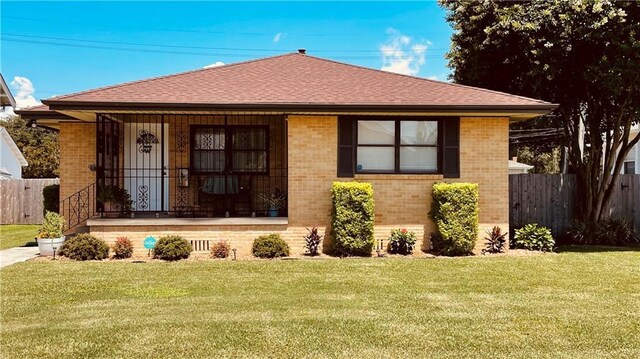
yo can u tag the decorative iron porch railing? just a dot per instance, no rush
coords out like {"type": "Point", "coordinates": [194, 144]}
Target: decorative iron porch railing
{"type": "Point", "coordinates": [79, 207]}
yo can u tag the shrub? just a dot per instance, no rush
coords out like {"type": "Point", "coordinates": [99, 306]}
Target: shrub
{"type": "Point", "coordinates": [220, 249]}
{"type": "Point", "coordinates": [52, 226]}
{"type": "Point", "coordinates": [495, 241]}
{"type": "Point", "coordinates": [270, 246]}
{"type": "Point", "coordinates": [352, 218]}
{"type": "Point", "coordinates": [172, 248]}
{"type": "Point", "coordinates": [122, 248]}
{"type": "Point", "coordinates": [455, 212]}
{"type": "Point", "coordinates": [312, 241]}
{"type": "Point", "coordinates": [401, 241]}
{"type": "Point", "coordinates": [534, 238]}
{"type": "Point", "coordinates": [611, 231]}
{"type": "Point", "coordinates": [51, 198]}
{"type": "Point", "coordinates": [84, 247]}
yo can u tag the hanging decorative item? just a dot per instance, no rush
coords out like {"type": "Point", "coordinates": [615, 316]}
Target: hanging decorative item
{"type": "Point", "coordinates": [146, 140]}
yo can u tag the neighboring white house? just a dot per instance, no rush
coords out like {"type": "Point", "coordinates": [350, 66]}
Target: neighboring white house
{"type": "Point", "coordinates": [516, 168]}
{"type": "Point", "coordinates": [632, 161]}
{"type": "Point", "coordinates": [11, 159]}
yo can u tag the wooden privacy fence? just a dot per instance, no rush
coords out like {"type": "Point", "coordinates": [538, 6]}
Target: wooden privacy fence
{"type": "Point", "coordinates": [549, 200]}
{"type": "Point", "coordinates": [21, 200]}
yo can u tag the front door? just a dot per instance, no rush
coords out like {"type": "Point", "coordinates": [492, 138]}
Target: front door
{"type": "Point", "coordinates": [145, 170]}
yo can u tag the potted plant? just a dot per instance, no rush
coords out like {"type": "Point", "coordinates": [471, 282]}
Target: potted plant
{"type": "Point", "coordinates": [50, 234]}
{"type": "Point", "coordinates": [117, 197]}
{"type": "Point", "coordinates": [274, 202]}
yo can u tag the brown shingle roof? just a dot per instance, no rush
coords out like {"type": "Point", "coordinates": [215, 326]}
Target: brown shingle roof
{"type": "Point", "coordinates": [295, 79]}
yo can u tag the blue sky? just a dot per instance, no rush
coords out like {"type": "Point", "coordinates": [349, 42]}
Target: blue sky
{"type": "Point", "coordinates": [61, 47]}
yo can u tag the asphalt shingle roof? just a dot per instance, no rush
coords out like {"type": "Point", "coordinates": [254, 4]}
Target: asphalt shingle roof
{"type": "Point", "coordinates": [296, 79]}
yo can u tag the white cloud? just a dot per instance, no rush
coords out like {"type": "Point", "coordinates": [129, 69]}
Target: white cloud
{"type": "Point", "coordinates": [23, 92]}
{"type": "Point", "coordinates": [279, 36]}
{"type": "Point", "coordinates": [215, 64]}
{"type": "Point", "coordinates": [401, 54]}
{"type": "Point", "coordinates": [439, 77]}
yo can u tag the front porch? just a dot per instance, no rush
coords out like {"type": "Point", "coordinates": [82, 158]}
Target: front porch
{"type": "Point", "coordinates": [170, 166]}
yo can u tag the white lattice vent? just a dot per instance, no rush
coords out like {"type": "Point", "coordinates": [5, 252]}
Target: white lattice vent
{"type": "Point", "coordinates": [200, 245]}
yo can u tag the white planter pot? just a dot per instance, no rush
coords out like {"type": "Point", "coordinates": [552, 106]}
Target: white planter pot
{"type": "Point", "coordinates": [46, 245]}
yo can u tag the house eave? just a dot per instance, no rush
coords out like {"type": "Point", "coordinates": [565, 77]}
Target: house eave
{"type": "Point", "coordinates": [286, 107]}
{"type": "Point", "coordinates": [518, 112]}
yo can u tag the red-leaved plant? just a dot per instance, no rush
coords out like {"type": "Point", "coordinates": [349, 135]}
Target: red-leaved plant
{"type": "Point", "coordinates": [220, 249]}
{"type": "Point", "coordinates": [312, 241]}
{"type": "Point", "coordinates": [122, 248]}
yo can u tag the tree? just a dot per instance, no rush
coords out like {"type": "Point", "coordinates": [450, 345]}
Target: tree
{"type": "Point", "coordinates": [583, 55]}
{"type": "Point", "coordinates": [38, 145]}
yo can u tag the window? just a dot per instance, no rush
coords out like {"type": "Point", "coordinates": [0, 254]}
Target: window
{"type": "Point", "coordinates": [397, 146]}
{"type": "Point", "coordinates": [629, 168]}
{"type": "Point", "coordinates": [222, 149]}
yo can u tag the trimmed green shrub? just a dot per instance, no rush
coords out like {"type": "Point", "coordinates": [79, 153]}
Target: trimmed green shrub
{"type": "Point", "coordinates": [401, 241]}
{"type": "Point", "coordinates": [455, 212]}
{"type": "Point", "coordinates": [611, 231]}
{"type": "Point", "coordinates": [51, 198]}
{"type": "Point", "coordinates": [52, 226]}
{"type": "Point", "coordinates": [172, 248]}
{"type": "Point", "coordinates": [352, 218]}
{"type": "Point", "coordinates": [84, 247]}
{"type": "Point", "coordinates": [122, 248]}
{"type": "Point", "coordinates": [220, 249]}
{"type": "Point", "coordinates": [270, 246]}
{"type": "Point", "coordinates": [534, 238]}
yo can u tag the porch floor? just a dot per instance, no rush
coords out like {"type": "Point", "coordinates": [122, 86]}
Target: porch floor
{"type": "Point", "coordinates": [172, 221]}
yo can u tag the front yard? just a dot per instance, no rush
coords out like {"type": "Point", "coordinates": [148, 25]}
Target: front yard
{"type": "Point", "coordinates": [567, 305]}
{"type": "Point", "coordinates": [17, 235]}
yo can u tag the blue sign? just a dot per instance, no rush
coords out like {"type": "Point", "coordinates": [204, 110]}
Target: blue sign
{"type": "Point", "coordinates": [149, 242]}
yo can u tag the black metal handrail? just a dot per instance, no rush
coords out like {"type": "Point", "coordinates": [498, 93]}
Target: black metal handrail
{"type": "Point", "coordinates": [79, 207]}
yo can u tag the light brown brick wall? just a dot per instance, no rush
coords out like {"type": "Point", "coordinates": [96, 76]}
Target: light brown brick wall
{"type": "Point", "coordinates": [484, 153]}
{"type": "Point", "coordinates": [77, 152]}
{"type": "Point", "coordinates": [400, 200]}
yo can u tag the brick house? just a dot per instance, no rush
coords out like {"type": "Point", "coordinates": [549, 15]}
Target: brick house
{"type": "Point", "coordinates": [199, 152]}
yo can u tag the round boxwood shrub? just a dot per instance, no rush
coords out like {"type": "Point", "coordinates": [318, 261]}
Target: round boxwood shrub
{"type": "Point", "coordinates": [84, 247]}
{"type": "Point", "coordinates": [534, 238]}
{"type": "Point", "coordinates": [270, 246]}
{"type": "Point", "coordinates": [172, 248]}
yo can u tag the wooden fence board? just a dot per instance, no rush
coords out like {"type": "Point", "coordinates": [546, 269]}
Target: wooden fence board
{"type": "Point", "coordinates": [21, 200]}
{"type": "Point", "coordinates": [549, 200]}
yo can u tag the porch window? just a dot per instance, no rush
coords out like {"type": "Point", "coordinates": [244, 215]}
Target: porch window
{"type": "Point", "coordinates": [220, 149]}
{"type": "Point", "coordinates": [397, 146]}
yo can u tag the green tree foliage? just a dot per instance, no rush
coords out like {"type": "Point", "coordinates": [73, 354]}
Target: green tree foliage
{"type": "Point", "coordinates": [583, 55]}
{"type": "Point", "coordinates": [541, 160]}
{"type": "Point", "coordinates": [38, 145]}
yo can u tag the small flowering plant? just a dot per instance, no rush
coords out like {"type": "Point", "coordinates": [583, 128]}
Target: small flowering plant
{"type": "Point", "coordinates": [401, 241]}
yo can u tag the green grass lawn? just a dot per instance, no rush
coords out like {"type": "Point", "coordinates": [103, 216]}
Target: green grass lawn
{"type": "Point", "coordinates": [17, 235]}
{"type": "Point", "coordinates": [569, 305]}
